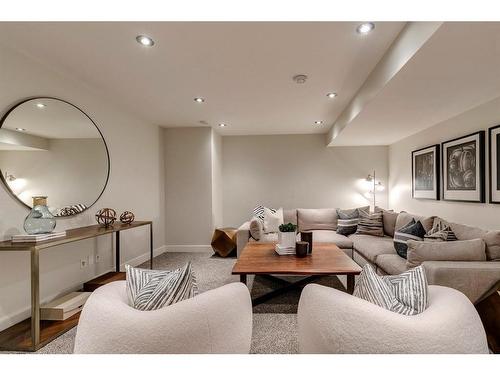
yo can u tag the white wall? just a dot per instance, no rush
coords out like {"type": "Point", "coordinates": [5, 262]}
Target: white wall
{"type": "Point", "coordinates": [478, 214]}
{"type": "Point", "coordinates": [136, 183]}
{"type": "Point", "coordinates": [293, 171]}
{"type": "Point", "coordinates": [188, 176]}
{"type": "Point", "coordinates": [217, 183]}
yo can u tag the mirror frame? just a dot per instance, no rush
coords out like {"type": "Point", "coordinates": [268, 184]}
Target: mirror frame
{"type": "Point", "coordinates": [2, 178]}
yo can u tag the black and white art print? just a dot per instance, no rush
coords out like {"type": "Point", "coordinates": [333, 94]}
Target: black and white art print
{"type": "Point", "coordinates": [425, 173]}
{"type": "Point", "coordinates": [463, 168]}
{"type": "Point", "coordinates": [494, 158]}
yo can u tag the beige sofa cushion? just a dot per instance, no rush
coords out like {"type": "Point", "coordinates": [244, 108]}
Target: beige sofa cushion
{"type": "Point", "coordinates": [371, 247]}
{"type": "Point", "coordinates": [317, 218]}
{"type": "Point", "coordinates": [392, 264]}
{"type": "Point", "coordinates": [341, 241]}
{"type": "Point", "coordinates": [491, 238]}
{"type": "Point", "coordinates": [405, 217]}
{"type": "Point", "coordinates": [389, 218]}
{"type": "Point", "coordinates": [421, 251]}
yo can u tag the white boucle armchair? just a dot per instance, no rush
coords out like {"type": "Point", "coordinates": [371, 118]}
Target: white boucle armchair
{"type": "Point", "coordinates": [331, 321]}
{"type": "Point", "coordinates": [217, 321]}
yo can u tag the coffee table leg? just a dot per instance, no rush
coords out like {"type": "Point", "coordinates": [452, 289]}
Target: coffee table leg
{"type": "Point", "coordinates": [350, 284]}
{"type": "Point", "coordinates": [243, 279]}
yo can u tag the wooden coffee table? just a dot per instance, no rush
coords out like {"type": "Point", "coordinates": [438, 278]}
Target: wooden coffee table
{"type": "Point", "coordinates": [259, 258]}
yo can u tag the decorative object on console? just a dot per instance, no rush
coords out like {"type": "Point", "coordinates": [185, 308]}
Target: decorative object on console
{"type": "Point", "coordinates": [370, 223]}
{"type": "Point", "coordinates": [287, 235]}
{"type": "Point", "coordinates": [224, 241]}
{"type": "Point", "coordinates": [494, 162]}
{"type": "Point", "coordinates": [71, 210]}
{"type": "Point", "coordinates": [39, 220]}
{"type": "Point", "coordinates": [425, 173]}
{"type": "Point", "coordinates": [411, 231]}
{"type": "Point", "coordinates": [463, 168]}
{"type": "Point", "coordinates": [301, 249]}
{"type": "Point", "coordinates": [152, 289]}
{"type": "Point", "coordinates": [37, 237]}
{"type": "Point", "coordinates": [404, 294]}
{"type": "Point", "coordinates": [307, 236]}
{"type": "Point", "coordinates": [127, 217]}
{"type": "Point", "coordinates": [106, 217]}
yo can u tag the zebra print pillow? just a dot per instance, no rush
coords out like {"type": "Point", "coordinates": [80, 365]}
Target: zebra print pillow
{"type": "Point", "coordinates": [152, 289]}
{"type": "Point", "coordinates": [258, 212]}
{"type": "Point", "coordinates": [405, 294]}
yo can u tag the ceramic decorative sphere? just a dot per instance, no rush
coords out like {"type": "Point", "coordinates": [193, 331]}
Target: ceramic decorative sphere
{"type": "Point", "coordinates": [106, 217]}
{"type": "Point", "coordinates": [127, 217]}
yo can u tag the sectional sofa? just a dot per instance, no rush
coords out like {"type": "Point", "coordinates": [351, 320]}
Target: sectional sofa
{"type": "Point", "coordinates": [476, 279]}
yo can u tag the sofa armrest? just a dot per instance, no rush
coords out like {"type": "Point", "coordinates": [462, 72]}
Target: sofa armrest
{"type": "Point", "coordinates": [242, 237]}
{"type": "Point", "coordinates": [477, 280]}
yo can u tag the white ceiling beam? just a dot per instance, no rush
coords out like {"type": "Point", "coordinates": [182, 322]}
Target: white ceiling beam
{"type": "Point", "coordinates": [413, 36]}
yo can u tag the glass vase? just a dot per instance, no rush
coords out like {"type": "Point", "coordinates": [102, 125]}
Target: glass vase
{"type": "Point", "coordinates": [39, 220]}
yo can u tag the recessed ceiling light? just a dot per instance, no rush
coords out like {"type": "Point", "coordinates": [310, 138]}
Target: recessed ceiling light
{"type": "Point", "coordinates": [318, 122]}
{"type": "Point", "coordinates": [144, 40]}
{"type": "Point", "coordinates": [222, 125]}
{"type": "Point", "coordinates": [332, 95]}
{"type": "Point", "coordinates": [20, 129]}
{"type": "Point", "coordinates": [41, 105]}
{"type": "Point", "coordinates": [199, 100]}
{"type": "Point", "coordinates": [365, 28]}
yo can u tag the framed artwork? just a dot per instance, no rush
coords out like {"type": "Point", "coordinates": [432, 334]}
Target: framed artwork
{"type": "Point", "coordinates": [463, 168]}
{"type": "Point", "coordinates": [425, 173]}
{"type": "Point", "coordinates": [494, 162]}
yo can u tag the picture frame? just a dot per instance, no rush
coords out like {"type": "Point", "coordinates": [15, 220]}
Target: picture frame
{"type": "Point", "coordinates": [425, 168]}
{"type": "Point", "coordinates": [494, 163]}
{"type": "Point", "coordinates": [463, 168]}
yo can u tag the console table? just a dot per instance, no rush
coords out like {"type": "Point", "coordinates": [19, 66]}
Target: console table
{"type": "Point", "coordinates": [30, 335]}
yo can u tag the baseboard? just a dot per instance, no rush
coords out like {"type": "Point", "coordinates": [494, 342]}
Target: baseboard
{"type": "Point", "coordinates": [189, 248]}
{"type": "Point", "coordinates": [143, 257]}
{"type": "Point", "coordinates": [21, 314]}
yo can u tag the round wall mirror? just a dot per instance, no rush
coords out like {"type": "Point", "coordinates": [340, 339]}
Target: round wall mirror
{"type": "Point", "coordinates": [49, 147]}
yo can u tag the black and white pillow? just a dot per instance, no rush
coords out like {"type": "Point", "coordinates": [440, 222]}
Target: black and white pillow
{"type": "Point", "coordinates": [258, 212]}
{"type": "Point", "coordinates": [153, 289]}
{"type": "Point", "coordinates": [71, 210]}
{"type": "Point", "coordinates": [405, 294]}
{"type": "Point", "coordinates": [414, 230]}
{"type": "Point", "coordinates": [347, 221]}
{"type": "Point", "coordinates": [370, 223]}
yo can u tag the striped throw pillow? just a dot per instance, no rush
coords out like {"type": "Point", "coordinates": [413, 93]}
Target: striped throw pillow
{"type": "Point", "coordinates": [405, 294]}
{"type": "Point", "coordinates": [153, 289]}
{"type": "Point", "coordinates": [370, 223]}
{"type": "Point", "coordinates": [347, 221]}
{"type": "Point", "coordinates": [414, 230]}
{"type": "Point", "coordinates": [258, 212]}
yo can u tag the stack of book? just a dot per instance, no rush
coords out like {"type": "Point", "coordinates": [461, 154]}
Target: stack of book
{"type": "Point", "coordinates": [284, 250]}
{"type": "Point", "coordinates": [37, 237]}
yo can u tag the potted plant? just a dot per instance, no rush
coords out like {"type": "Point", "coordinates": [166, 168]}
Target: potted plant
{"type": "Point", "coordinates": [287, 235]}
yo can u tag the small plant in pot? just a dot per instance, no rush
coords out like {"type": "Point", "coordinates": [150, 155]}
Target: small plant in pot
{"type": "Point", "coordinates": [287, 235]}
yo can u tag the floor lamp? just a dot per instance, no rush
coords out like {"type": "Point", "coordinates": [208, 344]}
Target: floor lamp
{"type": "Point", "coordinates": [376, 184]}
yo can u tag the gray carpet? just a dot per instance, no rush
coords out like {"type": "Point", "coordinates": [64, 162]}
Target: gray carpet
{"type": "Point", "coordinates": [274, 322]}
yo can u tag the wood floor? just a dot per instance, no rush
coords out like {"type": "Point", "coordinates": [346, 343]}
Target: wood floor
{"type": "Point", "coordinates": [489, 311]}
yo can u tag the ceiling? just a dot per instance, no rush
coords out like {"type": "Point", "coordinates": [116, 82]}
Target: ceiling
{"type": "Point", "coordinates": [244, 70]}
{"type": "Point", "coordinates": [457, 69]}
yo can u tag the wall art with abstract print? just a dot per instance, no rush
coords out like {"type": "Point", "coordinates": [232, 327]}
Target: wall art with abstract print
{"type": "Point", "coordinates": [463, 168]}
{"type": "Point", "coordinates": [425, 173]}
{"type": "Point", "coordinates": [494, 147]}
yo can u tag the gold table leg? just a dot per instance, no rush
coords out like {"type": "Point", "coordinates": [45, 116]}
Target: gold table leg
{"type": "Point", "coordinates": [35, 298]}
